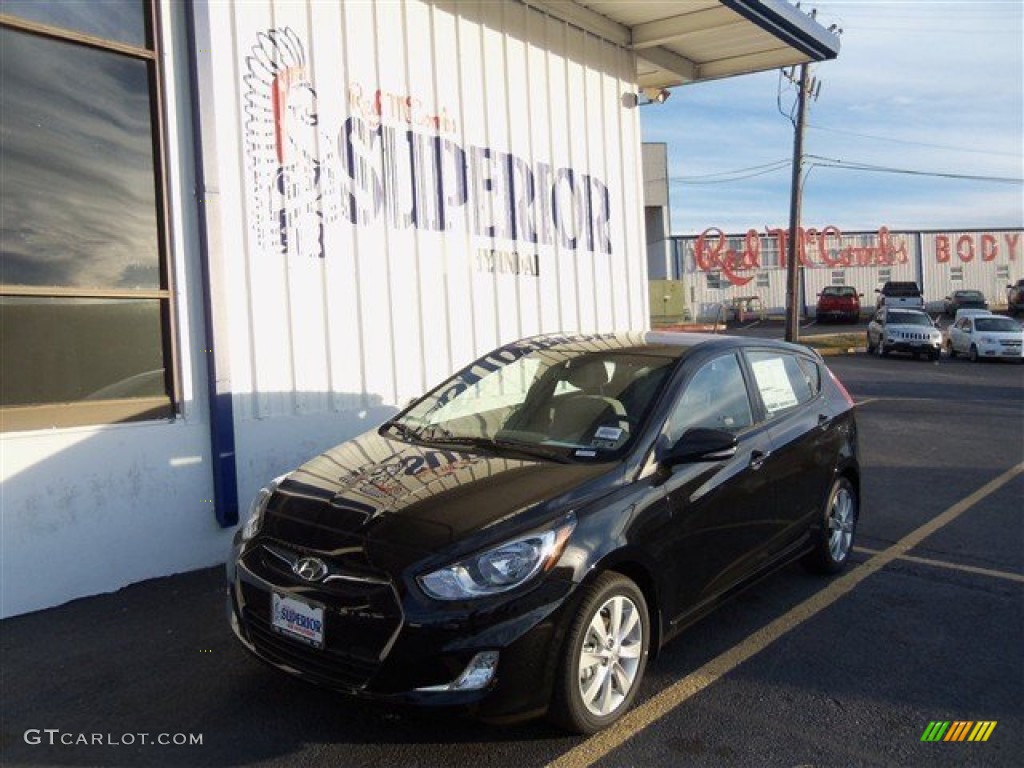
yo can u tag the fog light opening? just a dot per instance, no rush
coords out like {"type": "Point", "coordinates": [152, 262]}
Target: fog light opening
{"type": "Point", "coordinates": [477, 675]}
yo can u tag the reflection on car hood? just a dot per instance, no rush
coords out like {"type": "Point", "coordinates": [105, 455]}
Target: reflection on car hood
{"type": "Point", "coordinates": [913, 327]}
{"type": "Point", "coordinates": [421, 497]}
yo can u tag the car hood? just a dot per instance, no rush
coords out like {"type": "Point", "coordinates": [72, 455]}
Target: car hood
{"type": "Point", "coordinates": [1007, 335]}
{"type": "Point", "coordinates": [911, 328]}
{"type": "Point", "coordinates": [375, 491]}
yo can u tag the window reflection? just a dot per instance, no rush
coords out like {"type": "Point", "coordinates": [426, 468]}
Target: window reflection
{"type": "Point", "coordinates": [78, 207]}
{"type": "Point", "coordinates": [121, 20]}
{"type": "Point", "coordinates": [70, 350]}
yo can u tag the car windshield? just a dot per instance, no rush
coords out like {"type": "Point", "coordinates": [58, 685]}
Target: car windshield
{"type": "Point", "coordinates": [844, 291]}
{"type": "Point", "coordinates": [969, 295]}
{"type": "Point", "coordinates": [996, 324]}
{"type": "Point", "coordinates": [909, 318]}
{"type": "Point", "coordinates": [561, 404]}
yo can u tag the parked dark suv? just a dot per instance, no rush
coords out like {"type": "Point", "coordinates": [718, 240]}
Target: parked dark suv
{"type": "Point", "coordinates": [904, 295]}
{"type": "Point", "coordinates": [1015, 297]}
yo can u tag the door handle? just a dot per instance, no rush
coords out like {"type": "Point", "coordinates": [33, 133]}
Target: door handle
{"type": "Point", "coordinates": [757, 458]}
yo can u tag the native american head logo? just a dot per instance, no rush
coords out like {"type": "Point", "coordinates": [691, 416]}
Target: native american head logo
{"type": "Point", "coordinates": [280, 102]}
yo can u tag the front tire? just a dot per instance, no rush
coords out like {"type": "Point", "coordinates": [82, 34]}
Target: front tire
{"type": "Point", "coordinates": [972, 355]}
{"type": "Point", "coordinates": [604, 656]}
{"type": "Point", "coordinates": [833, 541]}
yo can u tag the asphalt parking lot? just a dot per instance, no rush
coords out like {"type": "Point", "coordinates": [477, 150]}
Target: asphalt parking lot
{"type": "Point", "coordinates": [927, 626]}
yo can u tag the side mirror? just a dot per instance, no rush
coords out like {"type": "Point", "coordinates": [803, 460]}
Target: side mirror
{"type": "Point", "coordinates": [878, 290]}
{"type": "Point", "coordinates": [700, 444]}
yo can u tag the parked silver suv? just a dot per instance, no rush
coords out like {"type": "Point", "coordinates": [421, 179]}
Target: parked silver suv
{"type": "Point", "coordinates": [903, 330]}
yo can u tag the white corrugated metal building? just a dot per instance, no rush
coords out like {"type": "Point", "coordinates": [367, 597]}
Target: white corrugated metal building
{"type": "Point", "coordinates": [719, 270]}
{"type": "Point", "coordinates": [235, 234]}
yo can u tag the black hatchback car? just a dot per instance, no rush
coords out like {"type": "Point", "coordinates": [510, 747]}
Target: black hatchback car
{"type": "Point", "coordinates": [519, 540]}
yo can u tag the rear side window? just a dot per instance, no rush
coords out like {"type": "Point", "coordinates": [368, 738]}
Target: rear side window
{"type": "Point", "coordinates": [784, 380]}
{"type": "Point", "coordinates": [901, 289]}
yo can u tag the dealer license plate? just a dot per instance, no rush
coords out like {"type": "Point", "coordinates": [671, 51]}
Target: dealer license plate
{"type": "Point", "coordinates": [297, 619]}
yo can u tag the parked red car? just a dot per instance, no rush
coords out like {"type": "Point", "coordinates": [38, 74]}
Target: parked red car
{"type": "Point", "coordinates": [839, 302]}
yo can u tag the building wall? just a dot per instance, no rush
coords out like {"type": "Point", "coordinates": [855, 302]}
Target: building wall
{"type": "Point", "coordinates": [387, 191]}
{"type": "Point", "coordinates": [397, 188]}
{"type": "Point", "coordinates": [92, 509]}
{"type": "Point", "coordinates": [717, 269]}
{"type": "Point", "coordinates": [987, 261]}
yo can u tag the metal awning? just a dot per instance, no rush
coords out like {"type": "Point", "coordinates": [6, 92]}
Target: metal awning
{"type": "Point", "coordinates": [688, 41]}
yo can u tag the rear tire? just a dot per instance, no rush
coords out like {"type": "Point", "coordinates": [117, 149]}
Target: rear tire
{"type": "Point", "coordinates": [604, 656]}
{"type": "Point", "coordinates": [833, 541]}
{"type": "Point", "coordinates": [871, 347]}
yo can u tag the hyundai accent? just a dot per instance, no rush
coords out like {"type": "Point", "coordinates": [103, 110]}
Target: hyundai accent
{"type": "Point", "coordinates": [525, 537]}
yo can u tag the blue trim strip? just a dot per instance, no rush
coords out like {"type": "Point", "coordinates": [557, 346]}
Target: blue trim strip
{"type": "Point", "coordinates": [222, 420]}
{"type": "Point", "coordinates": [790, 25]}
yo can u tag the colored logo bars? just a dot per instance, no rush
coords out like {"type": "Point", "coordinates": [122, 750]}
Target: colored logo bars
{"type": "Point", "coordinates": [958, 730]}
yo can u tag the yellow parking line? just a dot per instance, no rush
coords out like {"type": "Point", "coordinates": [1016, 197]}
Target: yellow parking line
{"type": "Point", "coordinates": [946, 564]}
{"type": "Point", "coordinates": [600, 744]}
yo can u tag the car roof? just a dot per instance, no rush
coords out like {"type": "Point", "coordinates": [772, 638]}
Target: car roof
{"type": "Point", "coordinates": [908, 310]}
{"type": "Point", "coordinates": [663, 343]}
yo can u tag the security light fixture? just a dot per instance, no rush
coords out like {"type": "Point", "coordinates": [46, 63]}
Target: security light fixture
{"type": "Point", "coordinates": [657, 95]}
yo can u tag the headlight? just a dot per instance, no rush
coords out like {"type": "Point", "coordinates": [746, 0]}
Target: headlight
{"type": "Point", "coordinates": [988, 340]}
{"type": "Point", "coordinates": [499, 569]}
{"type": "Point", "coordinates": [258, 507]}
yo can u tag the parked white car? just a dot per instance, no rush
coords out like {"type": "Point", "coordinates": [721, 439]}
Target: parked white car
{"type": "Point", "coordinates": [904, 330]}
{"type": "Point", "coordinates": [986, 337]}
{"type": "Point", "coordinates": [970, 312]}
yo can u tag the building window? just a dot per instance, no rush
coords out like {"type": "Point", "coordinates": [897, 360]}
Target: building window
{"type": "Point", "coordinates": [839, 277]}
{"type": "Point", "coordinates": [1002, 272]}
{"type": "Point", "coordinates": [85, 297]}
{"type": "Point", "coordinates": [764, 279]}
{"type": "Point", "coordinates": [715, 280]}
{"type": "Point", "coordinates": [884, 275]}
{"type": "Point", "coordinates": [956, 274]}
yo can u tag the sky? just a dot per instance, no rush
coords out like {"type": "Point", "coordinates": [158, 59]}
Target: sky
{"type": "Point", "coordinates": [931, 87]}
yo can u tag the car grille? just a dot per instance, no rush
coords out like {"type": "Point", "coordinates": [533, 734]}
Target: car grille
{"type": "Point", "coordinates": [914, 336]}
{"type": "Point", "coordinates": [1011, 345]}
{"type": "Point", "coordinates": [362, 616]}
{"type": "Point", "coordinates": [326, 668]}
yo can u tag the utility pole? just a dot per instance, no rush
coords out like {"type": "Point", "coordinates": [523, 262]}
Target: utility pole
{"type": "Point", "coordinates": [796, 194]}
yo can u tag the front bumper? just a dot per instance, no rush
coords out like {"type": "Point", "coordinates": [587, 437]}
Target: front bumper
{"type": "Point", "coordinates": [383, 643]}
{"type": "Point", "coordinates": [851, 316]}
{"type": "Point", "coordinates": [1000, 351]}
{"type": "Point", "coordinates": [913, 347]}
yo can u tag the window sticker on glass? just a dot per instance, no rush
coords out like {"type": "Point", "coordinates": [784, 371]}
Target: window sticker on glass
{"type": "Point", "coordinates": [773, 382]}
{"type": "Point", "coordinates": [608, 433]}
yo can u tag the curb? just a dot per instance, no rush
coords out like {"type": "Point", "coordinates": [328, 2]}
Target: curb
{"type": "Point", "coordinates": [835, 352]}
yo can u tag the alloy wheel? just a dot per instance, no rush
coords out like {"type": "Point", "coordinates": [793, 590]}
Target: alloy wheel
{"type": "Point", "coordinates": [841, 519]}
{"type": "Point", "coordinates": [611, 654]}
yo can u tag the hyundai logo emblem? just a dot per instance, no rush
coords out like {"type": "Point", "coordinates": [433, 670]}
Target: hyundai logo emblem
{"type": "Point", "coordinates": [310, 568]}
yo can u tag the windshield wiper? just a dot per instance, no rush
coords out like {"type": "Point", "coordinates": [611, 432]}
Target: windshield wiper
{"type": "Point", "coordinates": [497, 444]}
{"type": "Point", "coordinates": [405, 430]}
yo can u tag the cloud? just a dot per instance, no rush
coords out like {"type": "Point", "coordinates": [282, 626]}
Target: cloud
{"type": "Point", "coordinates": [79, 203]}
{"type": "Point", "coordinates": [929, 87]}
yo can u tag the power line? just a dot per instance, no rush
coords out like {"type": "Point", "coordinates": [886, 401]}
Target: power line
{"type": "Point", "coordinates": [911, 143]}
{"type": "Point", "coordinates": [844, 165]}
{"type": "Point", "coordinates": [713, 178]}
